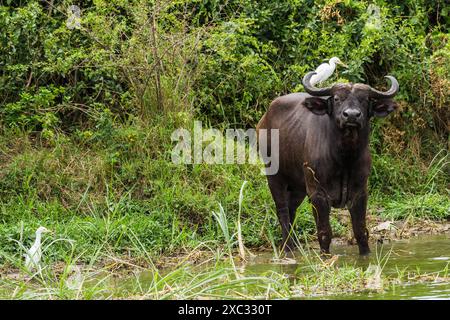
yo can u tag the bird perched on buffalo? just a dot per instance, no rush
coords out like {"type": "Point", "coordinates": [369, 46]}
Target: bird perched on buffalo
{"type": "Point", "coordinates": [325, 70]}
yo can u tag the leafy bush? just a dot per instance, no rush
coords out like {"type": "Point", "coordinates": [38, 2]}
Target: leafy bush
{"type": "Point", "coordinates": [111, 91]}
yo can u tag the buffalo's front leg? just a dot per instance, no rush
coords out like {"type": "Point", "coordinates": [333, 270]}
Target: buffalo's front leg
{"type": "Point", "coordinates": [280, 195]}
{"type": "Point", "coordinates": [358, 213]}
{"type": "Point", "coordinates": [296, 197]}
{"type": "Point", "coordinates": [321, 211]}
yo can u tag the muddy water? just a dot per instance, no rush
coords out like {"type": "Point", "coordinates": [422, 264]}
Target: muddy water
{"type": "Point", "coordinates": [426, 254]}
{"type": "Point", "coordinates": [421, 255]}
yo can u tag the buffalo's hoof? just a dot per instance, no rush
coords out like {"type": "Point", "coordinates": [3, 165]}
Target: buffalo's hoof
{"type": "Point", "coordinates": [288, 249]}
{"type": "Point", "coordinates": [364, 252]}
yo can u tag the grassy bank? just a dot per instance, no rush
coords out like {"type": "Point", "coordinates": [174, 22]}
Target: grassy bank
{"type": "Point", "coordinates": [216, 275]}
{"type": "Point", "coordinates": [87, 113]}
{"type": "Point", "coordinates": [119, 208]}
{"type": "Point", "coordinates": [120, 193]}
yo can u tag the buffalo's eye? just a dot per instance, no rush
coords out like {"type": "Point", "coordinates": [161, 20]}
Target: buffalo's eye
{"type": "Point", "coordinates": [363, 100]}
{"type": "Point", "coordinates": [336, 99]}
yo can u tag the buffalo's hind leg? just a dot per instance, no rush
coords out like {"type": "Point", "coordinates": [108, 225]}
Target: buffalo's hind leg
{"type": "Point", "coordinates": [296, 197]}
{"type": "Point", "coordinates": [280, 195]}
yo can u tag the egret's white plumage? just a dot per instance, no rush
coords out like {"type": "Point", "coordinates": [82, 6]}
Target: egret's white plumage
{"type": "Point", "coordinates": [34, 254]}
{"type": "Point", "coordinates": [325, 70]}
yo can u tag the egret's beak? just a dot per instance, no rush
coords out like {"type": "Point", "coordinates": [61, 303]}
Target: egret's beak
{"type": "Point", "coordinates": [343, 64]}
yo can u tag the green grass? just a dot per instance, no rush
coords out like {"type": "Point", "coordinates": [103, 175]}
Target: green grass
{"type": "Point", "coordinates": [432, 206]}
{"type": "Point", "coordinates": [120, 197]}
{"type": "Point", "coordinates": [217, 277]}
{"type": "Point", "coordinates": [85, 144]}
{"type": "Point", "coordinates": [106, 195]}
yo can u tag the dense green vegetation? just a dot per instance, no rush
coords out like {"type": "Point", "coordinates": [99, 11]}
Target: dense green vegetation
{"type": "Point", "coordinates": [86, 114]}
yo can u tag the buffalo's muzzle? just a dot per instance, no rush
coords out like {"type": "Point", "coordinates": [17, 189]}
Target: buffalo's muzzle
{"type": "Point", "coordinates": [352, 118]}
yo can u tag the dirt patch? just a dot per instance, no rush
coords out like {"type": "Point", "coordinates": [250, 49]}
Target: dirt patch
{"type": "Point", "coordinates": [382, 230]}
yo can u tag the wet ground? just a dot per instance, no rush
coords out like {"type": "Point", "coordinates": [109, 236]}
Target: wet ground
{"type": "Point", "coordinates": [414, 268]}
{"type": "Point", "coordinates": [423, 255]}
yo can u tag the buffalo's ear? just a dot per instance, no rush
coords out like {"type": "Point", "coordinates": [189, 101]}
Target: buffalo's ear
{"type": "Point", "coordinates": [382, 107]}
{"type": "Point", "coordinates": [317, 105]}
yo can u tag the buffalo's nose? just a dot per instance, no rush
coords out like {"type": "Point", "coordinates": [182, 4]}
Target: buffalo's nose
{"type": "Point", "coordinates": [351, 114]}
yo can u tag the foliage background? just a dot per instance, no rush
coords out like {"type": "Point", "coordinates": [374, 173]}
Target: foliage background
{"type": "Point", "coordinates": [86, 114]}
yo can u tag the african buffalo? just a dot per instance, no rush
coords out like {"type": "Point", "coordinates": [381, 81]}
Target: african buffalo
{"type": "Point", "coordinates": [324, 153]}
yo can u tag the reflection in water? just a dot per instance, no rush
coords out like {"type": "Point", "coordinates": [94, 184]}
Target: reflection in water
{"type": "Point", "coordinates": [424, 254]}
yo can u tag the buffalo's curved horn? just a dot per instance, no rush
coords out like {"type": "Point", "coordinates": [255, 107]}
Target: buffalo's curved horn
{"type": "Point", "coordinates": [313, 90]}
{"type": "Point", "coordinates": [388, 94]}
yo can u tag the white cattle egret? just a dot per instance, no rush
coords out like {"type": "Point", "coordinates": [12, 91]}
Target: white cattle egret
{"type": "Point", "coordinates": [33, 255]}
{"type": "Point", "coordinates": [325, 70]}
